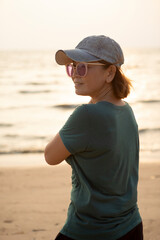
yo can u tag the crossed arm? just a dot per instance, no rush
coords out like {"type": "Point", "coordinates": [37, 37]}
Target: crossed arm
{"type": "Point", "coordinates": [55, 151]}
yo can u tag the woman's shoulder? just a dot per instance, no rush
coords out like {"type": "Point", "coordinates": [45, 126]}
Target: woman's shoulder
{"type": "Point", "coordinates": [99, 107]}
{"type": "Point", "coordinates": [80, 113]}
{"type": "Point", "coordinates": [85, 107]}
{"type": "Point", "coordinates": [84, 111]}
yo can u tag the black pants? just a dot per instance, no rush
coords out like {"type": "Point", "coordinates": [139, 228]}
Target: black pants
{"type": "Point", "coordinates": [135, 234]}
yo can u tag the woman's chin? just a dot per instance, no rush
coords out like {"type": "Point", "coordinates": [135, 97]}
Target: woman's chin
{"type": "Point", "coordinates": [81, 93]}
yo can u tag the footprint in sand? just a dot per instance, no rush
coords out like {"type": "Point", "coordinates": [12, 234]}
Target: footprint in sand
{"type": "Point", "coordinates": [8, 221]}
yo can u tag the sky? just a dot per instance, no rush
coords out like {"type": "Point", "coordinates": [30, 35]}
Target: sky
{"type": "Point", "coordinates": [62, 24]}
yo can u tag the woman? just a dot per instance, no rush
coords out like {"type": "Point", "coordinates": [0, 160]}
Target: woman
{"type": "Point", "coordinates": [100, 142]}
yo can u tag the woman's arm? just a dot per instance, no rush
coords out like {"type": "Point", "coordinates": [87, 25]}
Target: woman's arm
{"type": "Point", "coordinates": [55, 151]}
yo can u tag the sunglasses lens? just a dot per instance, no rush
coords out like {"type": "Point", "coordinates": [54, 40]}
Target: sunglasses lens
{"type": "Point", "coordinates": [69, 69]}
{"type": "Point", "coordinates": [81, 69]}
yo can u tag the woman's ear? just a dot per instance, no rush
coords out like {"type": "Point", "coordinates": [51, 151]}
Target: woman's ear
{"type": "Point", "coordinates": [111, 71]}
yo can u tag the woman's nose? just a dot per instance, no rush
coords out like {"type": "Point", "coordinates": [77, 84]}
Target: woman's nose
{"type": "Point", "coordinates": [74, 74]}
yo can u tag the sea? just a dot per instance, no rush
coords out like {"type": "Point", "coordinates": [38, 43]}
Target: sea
{"type": "Point", "coordinates": [37, 97]}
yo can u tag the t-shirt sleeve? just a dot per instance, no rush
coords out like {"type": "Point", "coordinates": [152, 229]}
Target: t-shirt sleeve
{"type": "Point", "coordinates": [75, 132]}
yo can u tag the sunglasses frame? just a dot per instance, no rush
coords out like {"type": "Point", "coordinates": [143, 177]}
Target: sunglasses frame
{"type": "Point", "coordinates": [74, 68]}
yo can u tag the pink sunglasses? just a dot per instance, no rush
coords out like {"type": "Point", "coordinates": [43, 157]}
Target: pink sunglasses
{"type": "Point", "coordinates": [81, 68]}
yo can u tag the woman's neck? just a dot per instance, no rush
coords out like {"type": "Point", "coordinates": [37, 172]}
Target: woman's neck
{"type": "Point", "coordinates": [108, 96]}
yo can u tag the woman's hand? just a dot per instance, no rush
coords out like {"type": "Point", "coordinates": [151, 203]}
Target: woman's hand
{"type": "Point", "coordinates": [55, 151]}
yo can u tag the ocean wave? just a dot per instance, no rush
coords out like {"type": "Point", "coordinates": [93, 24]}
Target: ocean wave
{"type": "Point", "coordinates": [66, 106]}
{"type": "Point", "coordinates": [149, 130]}
{"type": "Point", "coordinates": [149, 101]}
{"type": "Point", "coordinates": [20, 107]}
{"type": "Point", "coordinates": [30, 137]}
{"type": "Point", "coordinates": [34, 91]}
{"type": "Point", "coordinates": [145, 101]}
{"type": "Point", "coordinates": [149, 149]}
{"type": "Point", "coordinates": [35, 151]}
{"type": "Point", "coordinates": [6, 125]}
{"type": "Point", "coordinates": [23, 151]}
{"type": "Point", "coordinates": [37, 83]}
{"type": "Point", "coordinates": [40, 83]}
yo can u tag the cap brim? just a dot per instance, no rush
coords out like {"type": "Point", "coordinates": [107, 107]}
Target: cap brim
{"type": "Point", "coordinates": [78, 55]}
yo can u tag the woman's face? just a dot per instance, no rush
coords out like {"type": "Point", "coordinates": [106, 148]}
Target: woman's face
{"type": "Point", "coordinates": [93, 83]}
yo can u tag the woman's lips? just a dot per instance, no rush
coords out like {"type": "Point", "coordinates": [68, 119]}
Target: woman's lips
{"type": "Point", "coordinates": [77, 84]}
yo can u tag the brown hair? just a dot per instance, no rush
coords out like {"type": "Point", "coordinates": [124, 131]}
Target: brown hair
{"type": "Point", "coordinates": [121, 84]}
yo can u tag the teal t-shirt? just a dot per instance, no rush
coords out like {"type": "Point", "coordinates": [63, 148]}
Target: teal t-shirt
{"type": "Point", "coordinates": [104, 145]}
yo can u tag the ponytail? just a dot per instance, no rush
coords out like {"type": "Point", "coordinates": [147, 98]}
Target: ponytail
{"type": "Point", "coordinates": [121, 85]}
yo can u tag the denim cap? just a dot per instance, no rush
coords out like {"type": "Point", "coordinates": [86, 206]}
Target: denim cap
{"type": "Point", "coordinates": [92, 49]}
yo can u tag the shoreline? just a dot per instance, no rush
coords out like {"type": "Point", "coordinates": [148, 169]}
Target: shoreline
{"type": "Point", "coordinates": [37, 159]}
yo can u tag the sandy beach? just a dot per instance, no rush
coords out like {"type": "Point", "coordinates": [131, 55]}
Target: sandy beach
{"type": "Point", "coordinates": [34, 201]}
